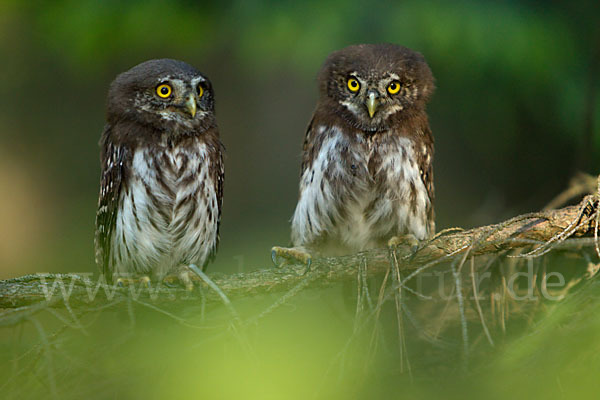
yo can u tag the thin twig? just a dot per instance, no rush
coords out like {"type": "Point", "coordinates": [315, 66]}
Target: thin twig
{"type": "Point", "coordinates": [180, 320]}
{"type": "Point", "coordinates": [283, 299]}
{"type": "Point", "coordinates": [399, 309]}
{"type": "Point", "coordinates": [564, 234]}
{"type": "Point", "coordinates": [49, 367]}
{"type": "Point", "coordinates": [479, 311]}
{"type": "Point", "coordinates": [461, 308]}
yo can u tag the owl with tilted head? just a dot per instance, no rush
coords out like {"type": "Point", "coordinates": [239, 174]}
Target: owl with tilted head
{"type": "Point", "coordinates": [366, 179]}
{"type": "Point", "coordinates": [161, 186]}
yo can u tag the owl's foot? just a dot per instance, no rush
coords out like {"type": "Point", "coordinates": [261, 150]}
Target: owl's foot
{"type": "Point", "coordinates": [144, 280]}
{"type": "Point", "coordinates": [182, 275]}
{"type": "Point", "coordinates": [404, 240]}
{"type": "Point", "coordinates": [291, 254]}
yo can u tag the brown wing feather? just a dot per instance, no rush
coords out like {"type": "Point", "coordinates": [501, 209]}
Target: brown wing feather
{"type": "Point", "coordinates": [113, 160]}
{"type": "Point", "coordinates": [218, 171]}
{"type": "Point", "coordinates": [425, 160]}
{"type": "Point", "coordinates": [312, 144]}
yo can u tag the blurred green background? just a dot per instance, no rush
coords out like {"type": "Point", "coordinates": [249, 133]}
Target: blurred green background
{"type": "Point", "coordinates": [514, 115]}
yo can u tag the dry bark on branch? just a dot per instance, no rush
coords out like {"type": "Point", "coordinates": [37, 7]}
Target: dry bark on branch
{"type": "Point", "coordinates": [538, 231]}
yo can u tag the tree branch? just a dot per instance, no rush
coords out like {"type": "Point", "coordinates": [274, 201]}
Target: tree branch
{"type": "Point", "coordinates": [541, 231]}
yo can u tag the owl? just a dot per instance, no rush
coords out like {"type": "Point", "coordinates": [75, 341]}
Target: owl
{"type": "Point", "coordinates": [366, 179]}
{"type": "Point", "coordinates": [161, 188]}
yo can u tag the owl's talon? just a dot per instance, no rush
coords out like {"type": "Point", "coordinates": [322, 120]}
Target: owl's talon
{"type": "Point", "coordinates": [404, 240]}
{"type": "Point", "coordinates": [408, 240]}
{"type": "Point", "coordinates": [182, 276]}
{"type": "Point", "coordinates": [274, 257]}
{"type": "Point", "coordinates": [124, 282]}
{"type": "Point", "coordinates": [145, 280]}
{"type": "Point", "coordinates": [186, 280]}
{"type": "Point", "coordinates": [290, 255]}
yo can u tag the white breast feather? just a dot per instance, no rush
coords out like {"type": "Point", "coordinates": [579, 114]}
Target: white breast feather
{"type": "Point", "coordinates": [306, 222]}
{"type": "Point", "coordinates": [357, 231]}
{"type": "Point", "coordinates": [150, 244]}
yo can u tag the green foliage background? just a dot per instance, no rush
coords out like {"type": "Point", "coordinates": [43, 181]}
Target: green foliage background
{"type": "Point", "coordinates": [516, 110]}
{"type": "Point", "coordinates": [514, 115]}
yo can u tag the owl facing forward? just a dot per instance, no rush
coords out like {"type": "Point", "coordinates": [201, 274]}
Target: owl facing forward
{"type": "Point", "coordinates": [161, 187]}
{"type": "Point", "coordinates": [366, 177]}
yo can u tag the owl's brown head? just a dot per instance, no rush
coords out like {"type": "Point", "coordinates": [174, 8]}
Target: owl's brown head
{"type": "Point", "coordinates": [372, 85]}
{"type": "Point", "coordinates": [168, 95]}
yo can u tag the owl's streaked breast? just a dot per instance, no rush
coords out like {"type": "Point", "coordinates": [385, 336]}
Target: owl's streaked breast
{"type": "Point", "coordinates": [169, 211]}
{"type": "Point", "coordinates": [356, 194]}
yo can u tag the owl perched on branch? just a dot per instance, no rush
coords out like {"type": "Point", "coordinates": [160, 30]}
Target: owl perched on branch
{"type": "Point", "coordinates": [161, 187]}
{"type": "Point", "coordinates": [367, 177]}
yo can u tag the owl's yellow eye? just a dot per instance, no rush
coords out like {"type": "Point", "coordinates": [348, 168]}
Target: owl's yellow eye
{"type": "Point", "coordinates": [164, 91]}
{"type": "Point", "coordinates": [353, 85]}
{"type": "Point", "coordinates": [393, 87]}
{"type": "Point", "coordinates": [200, 91]}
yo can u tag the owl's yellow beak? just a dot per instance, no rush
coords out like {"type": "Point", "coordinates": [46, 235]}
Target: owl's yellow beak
{"type": "Point", "coordinates": [190, 105]}
{"type": "Point", "coordinates": [371, 103]}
